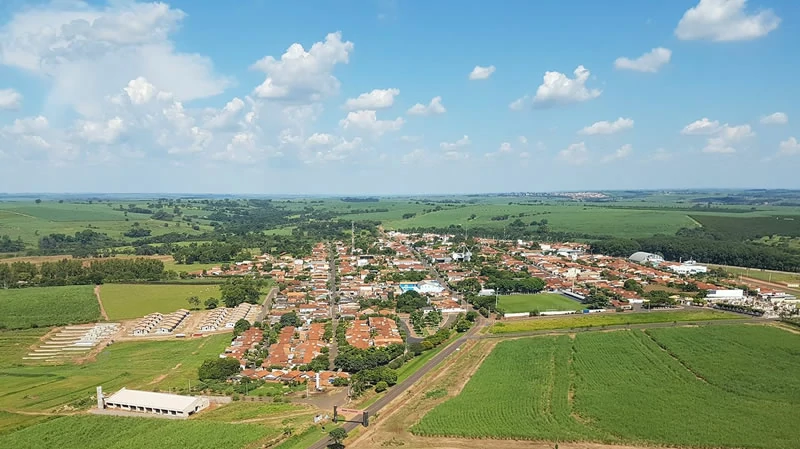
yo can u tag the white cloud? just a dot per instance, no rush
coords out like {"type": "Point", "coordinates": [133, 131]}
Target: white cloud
{"type": "Point", "coordinates": [455, 156]}
{"type": "Point", "coordinates": [462, 142]}
{"type": "Point", "coordinates": [320, 139]}
{"type": "Point", "coordinates": [575, 154]}
{"type": "Point", "coordinates": [649, 62]}
{"type": "Point", "coordinates": [413, 156]}
{"type": "Point", "coordinates": [227, 116]}
{"type": "Point", "coordinates": [435, 107]}
{"type": "Point", "coordinates": [10, 99]}
{"type": "Point", "coordinates": [481, 73]}
{"type": "Point", "coordinates": [777, 118]}
{"type": "Point", "coordinates": [523, 140]}
{"type": "Point", "coordinates": [377, 99]}
{"type": "Point", "coordinates": [789, 147]}
{"type": "Point", "coordinates": [726, 137]}
{"type": "Point", "coordinates": [519, 103]}
{"type": "Point", "coordinates": [620, 153]}
{"type": "Point", "coordinates": [28, 125]}
{"type": "Point", "coordinates": [87, 52]}
{"type": "Point", "coordinates": [702, 126]}
{"type": "Point", "coordinates": [605, 127]}
{"type": "Point", "coordinates": [725, 20]}
{"type": "Point", "coordinates": [367, 120]}
{"type": "Point", "coordinates": [106, 132]}
{"type": "Point", "coordinates": [302, 75]}
{"type": "Point", "coordinates": [558, 89]}
{"type": "Point", "coordinates": [505, 147]}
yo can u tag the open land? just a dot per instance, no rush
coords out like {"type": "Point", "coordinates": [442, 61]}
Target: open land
{"type": "Point", "coordinates": [623, 387]}
{"type": "Point", "coordinates": [539, 301]}
{"type": "Point", "coordinates": [47, 306]}
{"type": "Point", "coordinates": [128, 301]}
{"type": "Point", "coordinates": [609, 319]}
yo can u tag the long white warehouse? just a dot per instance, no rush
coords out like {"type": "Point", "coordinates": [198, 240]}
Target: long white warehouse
{"type": "Point", "coordinates": [157, 403]}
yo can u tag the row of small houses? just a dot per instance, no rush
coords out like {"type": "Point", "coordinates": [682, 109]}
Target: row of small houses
{"type": "Point", "coordinates": [160, 324]}
{"type": "Point", "coordinates": [226, 318]}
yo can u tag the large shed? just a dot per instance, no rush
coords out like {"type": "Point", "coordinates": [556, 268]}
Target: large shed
{"type": "Point", "coordinates": [157, 403]}
{"type": "Point", "coordinates": [643, 257]}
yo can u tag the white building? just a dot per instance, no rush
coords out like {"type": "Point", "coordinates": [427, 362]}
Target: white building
{"type": "Point", "coordinates": [643, 257]}
{"type": "Point", "coordinates": [689, 267]}
{"type": "Point", "coordinates": [725, 295]}
{"type": "Point", "coordinates": [155, 403]}
{"type": "Point", "coordinates": [432, 287]}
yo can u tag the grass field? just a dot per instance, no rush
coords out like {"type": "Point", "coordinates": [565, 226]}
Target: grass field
{"type": "Point", "coordinates": [156, 365]}
{"type": "Point", "coordinates": [608, 319]}
{"type": "Point", "coordinates": [239, 411]}
{"type": "Point", "coordinates": [540, 301]}
{"type": "Point", "coordinates": [764, 275]}
{"type": "Point", "coordinates": [736, 389]}
{"type": "Point", "coordinates": [16, 344]}
{"type": "Point", "coordinates": [127, 301]}
{"type": "Point", "coordinates": [47, 306]}
{"type": "Point", "coordinates": [101, 432]}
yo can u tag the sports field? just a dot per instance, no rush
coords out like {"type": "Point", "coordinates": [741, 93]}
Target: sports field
{"type": "Point", "coordinates": [22, 308]}
{"type": "Point", "coordinates": [540, 301]}
{"type": "Point", "coordinates": [609, 319]}
{"type": "Point", "coordinates": [626, 387]}
{"type": "Point", "coordinates": [161, 365]}
{"type": "Point", "coordinates": [128, 301]}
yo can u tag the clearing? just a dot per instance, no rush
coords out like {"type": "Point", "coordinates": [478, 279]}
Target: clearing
{"type": "Point", "coordinates": [542, 302]}
{"type": "Point", "coordinates": [623, 387]}
{"type": "Point", "coordinates": [22, 308]}
{"type": "Point", "coordinates": [129, 301]}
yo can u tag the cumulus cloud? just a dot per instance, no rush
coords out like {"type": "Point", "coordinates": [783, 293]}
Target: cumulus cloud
{"type": "Point", "coordinates": [726, 137]}
{"type": "Point", "coordinates": [559, 89]}
{"type": "Point", "coordinates": [620, 153]}
{"type": "Point", "coordinates": [777, 118]}
{"type": "Point", "coordinates": [10, 99]}
{"type": "Point", "coordinates": [725, 20]}
{"type": "Point", "coordinates": [504, 149]}
{"type": "Point", "coordinates": [301, 75]}
{"type": "Point", "coordinates": [520, 103]}
{"type": "Point", "coordinates": [367, 120]}
{"type": "Point", "coordinates": [481, 73]}
{"type": "Point", "coordinates": [700, 127]}
{"type": "Point", "coordinates": [435, 107]}
{"type": "Point", "coordinates": [376, 99]}
{"type": "Point", "coordinates": [105, 132]}
{"type": "Point", "coordinates": [605, 127]}
{"type": "Point", "coordinates": [649, 62]}
{"type": "Point", "coordinates": [462, 142]}
{"type": "Point", "coordinates": [575, 154]}
{"type": "Point", "coordinates": [86, 52]}
{"type": "Point", "coordinates": [789, 147]}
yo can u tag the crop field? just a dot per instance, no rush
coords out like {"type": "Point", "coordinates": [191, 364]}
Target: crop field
{"type": "Point", "coordinates": [16, 344]}
{"type": "Point", "coordinates": [764, 275]}
{"type": "Point", "coordinates": [47, 306]}
{"type": "Point", "coordinates": [239, 411]}
{"type": "Point", "coordinates": [624, 387]}
{"type": "Point", "coordinates": [128, 301]}
{"type": "Point", "coordinates": [744, 228]}
{"type": "Point", "coordinates": [101, 432]}
{"type": "Point", "coordinates": [540, 301]}
{"type": "Point", "coordinates": [609, 319]}
{"type": "Point", "coordinates": [156, 365]}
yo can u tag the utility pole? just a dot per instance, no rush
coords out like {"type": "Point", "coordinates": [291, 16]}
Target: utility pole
{"type": "Point", "coordinates": [352, 237]}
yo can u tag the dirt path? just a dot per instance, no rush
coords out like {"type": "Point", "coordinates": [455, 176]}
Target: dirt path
{"type": "Point", "coordinates": [100, 301]}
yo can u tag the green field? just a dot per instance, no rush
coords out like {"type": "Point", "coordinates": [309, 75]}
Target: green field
{"type": "Point", "coordinates": [16, 344]}
{"type": "Point", "coordinates": [155, 365]}
{"type": "Point", "coordinates": [764, 275]}
{"type": "Point", "coordinates": [23, 308]}
{"type": "Point", "coordinates": [736, 389]}
{"type": "Point", "coordinates": [128, 301]}
{"type": "Point", "coordinates": [101, 432]}
{"type": "Point", "coordinates": [239, 411]}
{"type": "Point", "coordinates": [609, 319]}
{"type": "Point", "coordinates": [540, 301]}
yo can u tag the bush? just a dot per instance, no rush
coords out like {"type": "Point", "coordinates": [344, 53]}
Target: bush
{"type": "Point", "coordinates": [381, 386]}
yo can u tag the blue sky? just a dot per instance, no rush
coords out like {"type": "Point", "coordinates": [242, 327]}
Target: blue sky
{"type": "Point", "coordinates": [397, 96]}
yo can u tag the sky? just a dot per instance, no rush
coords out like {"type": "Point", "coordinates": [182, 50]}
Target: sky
{"type": "Point", "coordinates": [397, 96]}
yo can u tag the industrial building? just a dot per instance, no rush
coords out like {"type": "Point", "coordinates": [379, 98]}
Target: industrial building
{"type": "Point", "coordinates": [643, 257]}
{"type": "Point", "coordinates": [688, 268]}
{"type": "Point", "coordinates": [162, 404]}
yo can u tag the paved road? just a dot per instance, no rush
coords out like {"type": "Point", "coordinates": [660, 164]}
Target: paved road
{"type": "Point", "coordinates": [398, 389]}
{"type": "Point", "coordinates": [334, 346]}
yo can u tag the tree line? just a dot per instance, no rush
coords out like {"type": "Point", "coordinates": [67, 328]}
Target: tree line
{"type": "Point", "coordinates": [76, 272]}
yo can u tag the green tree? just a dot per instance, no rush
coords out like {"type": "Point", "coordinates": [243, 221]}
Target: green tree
{"type": "Point", "coordinates": [193, 301]}
{"type": "Point", "coordinates": [381, 386]}
{"type": "Point", "coordinates": [218, 369]}
{"type": "Point", "coordinates": [290, 319]}
{"type": "Point", "coordinates": [338, 435]}
{"type": "Point", "coordinates": [241, 326]}
{"type": "Point", "coordinates": [211, 303]}
{"type": "Point", "coordinates": [238, 290]}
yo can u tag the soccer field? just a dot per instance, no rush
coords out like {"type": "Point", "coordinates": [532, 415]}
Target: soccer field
{"type": "Point", "coordinates": [624, 387]}
{"type": "Point", "coordinates": [540, 301]}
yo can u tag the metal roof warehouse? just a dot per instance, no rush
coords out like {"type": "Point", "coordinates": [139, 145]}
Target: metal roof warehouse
{"type": "Point", "coordinates": [158, 403]}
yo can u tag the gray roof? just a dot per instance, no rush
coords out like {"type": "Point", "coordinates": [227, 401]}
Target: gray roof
{"type": "Point", "coordinates": [151, 399]}
{"type": "Point", "coordinates": [641, 256]}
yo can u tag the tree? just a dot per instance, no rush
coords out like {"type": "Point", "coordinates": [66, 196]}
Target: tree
{"type": "Point", "coordinates": [211, 303]}
{"type": "Point", "coordinates": [290, 319]}
{"type": "Point", "coordinates": [218, 369]}
{"type": "Point", "coordinates": [238, 290]}
{"type": "Point", "coordinates": [469, 286]}
{"type": "Point", "coordinates": [241, 326]}
{"type": "Point", "coordinates": [38, 201]}
{"type": "Point", "coordinates": [472, 315]}
{"type": "Point", "coordinates": [381, 386]}
{"type": "Point", "coordinates": [338, 435]}
{"type": "Point", "coordinates": [463, 326]}
{"type": "Point", "coordinates": [193, 301]}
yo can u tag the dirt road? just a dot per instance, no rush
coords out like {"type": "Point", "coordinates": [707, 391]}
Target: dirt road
{"type": "Point", "coordinates": [100, 301]}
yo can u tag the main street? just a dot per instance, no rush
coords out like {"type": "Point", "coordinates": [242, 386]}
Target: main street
{"type": "Point", "coordinates": [333, 298]}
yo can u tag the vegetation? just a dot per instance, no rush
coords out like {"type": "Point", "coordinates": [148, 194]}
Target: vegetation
{"type": "Point", "coordinates": [47, 306]}
{"type": "Point", "coordinates": [537, 302]}
{"type": "Point", "coordinates": [75, 272]}
{"type": "Point", "coordinates": [581, 389]}
{"type": "Point", "coordinates": [218, 368]}
{"type": "Point", "coordinates": [128, 301]}
{"type": "Point", "coordinates": [609, 319]}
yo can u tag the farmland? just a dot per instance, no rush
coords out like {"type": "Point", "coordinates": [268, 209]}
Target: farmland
{"type": "Point", "coordinates": [764, 275]}
{"type": "Point", "coordinates": [624, 387]}
{"type": "Point", "coordinates": [47, 306]}
{"type": "Point", "coordinates": [158, 365]}
{"type": "Point", "coordinates": [609, 319]}
{"type": "Point", "coordinates": [100, 432]}
{"type": "Point", "coordinates": [540, 301]}
{"type": "Point", "coordinates": [128, 301]}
